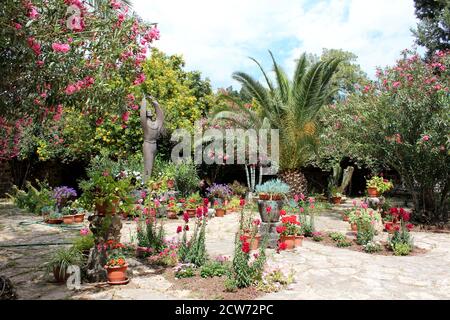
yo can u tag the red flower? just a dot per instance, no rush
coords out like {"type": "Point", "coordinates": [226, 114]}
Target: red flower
{"type": "Point", "coordinates": [179, 229]}
{"type": "Point", "coordinates": [409, 226]}
{"type": "Point", "coordinates": [282, 246]}
{"type": "Point", "coordinates": [393, 211]}
{"type": "Point", "coordinates": [242, 202]}
{"type": "Point", "coordinates": [186, 217]}
{"type": "Point", "coordinates": [282, 212]}
{"type": "Point", "coordinates": [186, 227]}
{"type": "Point", "coordinates": [269, 209]}
{"type": "Point", "coordinates": [396, 228]}
{"type": "Point", "coordinates": [388, 226]}
{"type": "Point", "coordinates": [245, 247]}
{"type": "Point", "coordinates": [404, 214]}
{"type": "Point", "coordinates": [281, 229]}
{"type": "Point", "coordinates": [205, 201]}
{"type": "Point", "coordinates": [256, 222]}
{"type": "Point", "coordinates": [199, 212]}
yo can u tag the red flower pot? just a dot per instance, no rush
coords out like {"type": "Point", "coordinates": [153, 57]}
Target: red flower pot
{"type": "Point", "coordinates": [172, 214]}
{"type": "Point", "coordinates": [60, 277]}
{"type": "Point", "coordinates": [299, 241]}
{"type": "Point", "coordinates": [68, 219]}
{"type": "Point", "coordinates": [336, 200]}
{"type": "Point", "coordinates": [264, 196]}
{"type": "Point", "coordinates": [345, 218]}
{"type": "Point", "coordinates": [220, 212]}
{"type": "Point", "coordinates": [373, 192]}
{"type": "Point", "coordinates": [277, 197]}
{"type": "Point", "coordinates": [117, 274]}
{"type": "Point", "coordinates": [354, 227]}
{"type": "Point", "coordinates": [79, 218]}
{"type": "Point", "coordinates": [54, 221]}
{"type": "Point", "coordinates": [289, 241]}
{"type": "Point", "coordinates": [254, 243]}
{"type": "Point", "coordinates": [191, 213]}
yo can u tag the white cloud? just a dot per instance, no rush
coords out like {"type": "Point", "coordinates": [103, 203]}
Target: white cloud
{"type": "Point", "coordinates": [216, 37]}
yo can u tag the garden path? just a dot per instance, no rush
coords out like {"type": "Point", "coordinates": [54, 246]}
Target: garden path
{"type": "Point", "coordinates": [321, 272]}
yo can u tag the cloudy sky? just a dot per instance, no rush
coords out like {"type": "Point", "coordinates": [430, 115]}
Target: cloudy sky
{"type": "Point", "coordinates": [217, 37]}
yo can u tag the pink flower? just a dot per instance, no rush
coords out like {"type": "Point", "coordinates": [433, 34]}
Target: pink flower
{"type": "Point", "coordinates": [18, 26]}
{"type": "Point", "coordinates": [179, 229]}
{"type": "Point", "coordinates": [32, 13]}
{"type": "Point", "coordinates": [84, 231]}
{"type": "Point", "coordinates": [125, 116]}
{"type": "Point", "coordinates": [61, 47]}
{"type": "Point", "coordinates": [425, 138]}
{"type": "Point", "coordinates": [140, 78]}
{"type": "Point", "coordinates": [302, 210]}
{"type": "Point", "coordinates": [396, 84]}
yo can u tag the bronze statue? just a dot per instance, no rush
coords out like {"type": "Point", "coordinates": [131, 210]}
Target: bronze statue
{"type": "Point", "coordinates": [152, 130]}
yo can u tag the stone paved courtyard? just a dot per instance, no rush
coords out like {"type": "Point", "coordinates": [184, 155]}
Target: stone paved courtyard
{"type": "Point", "coordinates": [321, 272]}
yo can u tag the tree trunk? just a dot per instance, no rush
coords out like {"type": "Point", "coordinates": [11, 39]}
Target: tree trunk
{"type": "Point", "coordinates": [104, 229]}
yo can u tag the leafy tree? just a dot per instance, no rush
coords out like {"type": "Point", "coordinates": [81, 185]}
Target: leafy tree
{"type": "Point", "coordinates": [433, 30]}
{"type": "Point", "coordinates": [349, 75]}
{"type": "Point", "coordinates": [59, 55]}
{"type": "Point", "coordinates": [401, 121]}
{"type": "Point", "coordinates": [292, 106]}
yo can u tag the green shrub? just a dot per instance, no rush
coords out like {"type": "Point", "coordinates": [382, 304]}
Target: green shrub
{"type": "Point", "coordinates": [185, 271]}
{"type": "Point", "coordinates": [213, 269]}
{"type": "Point", "coordinates": [343, 243]}
{"type": "Point", "coordinates": [84, 243]}
{"type": "Point", "coordinates": [372, 247]}
{"type": "Point", "coordinates": [401, 249]}
{"type": "Point", "coordinates": [336, 236]}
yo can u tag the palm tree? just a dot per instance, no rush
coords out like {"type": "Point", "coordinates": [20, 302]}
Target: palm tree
{"type": "Point", "coordinates": [292, 107]}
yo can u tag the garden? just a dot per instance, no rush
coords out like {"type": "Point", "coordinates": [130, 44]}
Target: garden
{"type": "Point", "coordinates": [346, 198]}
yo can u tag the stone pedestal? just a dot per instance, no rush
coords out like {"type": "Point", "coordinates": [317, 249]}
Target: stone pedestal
{"type": "Point", "coordinates": [269, 229]}
{"type": "Point", "coordinates": [104, 228]}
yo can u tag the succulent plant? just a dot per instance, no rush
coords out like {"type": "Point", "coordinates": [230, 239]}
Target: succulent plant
{"type": "Point", "coordinates": [275, 186]}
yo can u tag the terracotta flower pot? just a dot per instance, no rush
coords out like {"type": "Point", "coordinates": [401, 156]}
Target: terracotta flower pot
{"type": "Point", "coordinates": [354, 227]}
{"type": "Point", "coordinates": [54, 221]}
{"type": "Point", "coordinates": [254, 243]}
{"type": "Point", "coordinates": [345, 218]}
{"type": "Point", "coordinates": [170, 183]}
{"type": "Point", "coordinates": [60, 277]}
{"type": "Point", "coordinates": [229, 211]}
{"type": "Point", "coordinates": [191, 213]}
{"type": "Point", "coordinates": [277, 197]}
{"type": "Point", "coordinates": [117, 274]}
{"type": "Point", "coordinates": [68, 219]}
{"type": "Point", "coordinates": [79, 218]}
{"type": "Point", "coordinates": [299, 241]}
{"type": "Point", "coordinates": [220, 212]}
{"type": "Point", "coordinates": [264, 196]}
{"type": "Point", "coordinates": [289, 241]}
{"type": "Point", "coordinates": [171, 214]}
{"type": "Point", "coordinates": [336, 200]}
{"type": "Point", "coordinates": [373, 192]}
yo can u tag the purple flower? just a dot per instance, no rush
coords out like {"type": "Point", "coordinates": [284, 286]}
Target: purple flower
{"type": "Point", "coordinates": [62, 194]}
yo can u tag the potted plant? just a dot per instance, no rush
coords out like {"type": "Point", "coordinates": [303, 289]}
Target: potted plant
{"type": "Point", "coordinates": [345, 214]}
{"type": "Point", "coordinates": [61, 260]}
{"type": "Point", "coordinates": [79, 215]}
{"type": "Point", "coordinates": [232, 205]}
{"type": "Point", "coordinates": [378, 185]}
{"type": "Point", "coordinates": [219, 191]}
{"type": "Point", "coordinates": [238, 189]}
{"type": "Point", "coordinates": [85, 242]}
{"type": "Point", "coordinates": [169, 176]}
{"type": "Point", "coordinates": [191, 204]}
{"type": "Point", "coordinates": [54, 218]}
{"type": "Point", "coordinates": [219, 208]}
{"type": "Point", "coordinates": [116, 265]}
{"type": "Point", "coordinates": [261, 189]}
{"type": "Point", "coordinates": [172, 208]}
{"type": "Point", "coordinates": [251, 234]}
{"type": "Point", "coordinates": [336, 195]}
{"type": "Point", "coordinates": [290, 232]}
{"type": "Point", "coordinates": [362, 218]}
{"type": "Point", "coordinates": [67, 215]}
{"type": "Point", "coordinates": [62, 195]}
